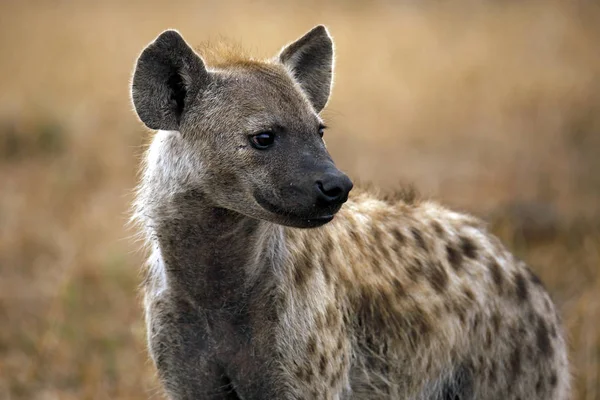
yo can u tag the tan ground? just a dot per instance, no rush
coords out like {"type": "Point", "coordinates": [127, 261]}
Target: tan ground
{"type": "Point", "coordinates": [493, 108]}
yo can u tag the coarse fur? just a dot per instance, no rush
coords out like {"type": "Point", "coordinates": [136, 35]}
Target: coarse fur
{"type": "Point", "coordinates": [394, 298]}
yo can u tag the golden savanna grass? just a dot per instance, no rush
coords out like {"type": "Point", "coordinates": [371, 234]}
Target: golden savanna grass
{"type": "Point", "coordinates": [490, 107]}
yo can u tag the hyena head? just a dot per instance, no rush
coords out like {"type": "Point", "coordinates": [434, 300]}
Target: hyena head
{"type": "Point", "coordinates": [250, 132]}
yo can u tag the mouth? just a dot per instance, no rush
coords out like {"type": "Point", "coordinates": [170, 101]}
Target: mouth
{"type": "Point", "coordinates": [292, 218]}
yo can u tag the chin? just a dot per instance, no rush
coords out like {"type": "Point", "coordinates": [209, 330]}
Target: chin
{"type": "Point", "coordinates": [296, 218]}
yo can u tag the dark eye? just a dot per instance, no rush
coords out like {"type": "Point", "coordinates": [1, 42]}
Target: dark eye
{"type": "Point", "coordinates": [263, 140]}
{"type": "Point", "coordinates": [321, 130]}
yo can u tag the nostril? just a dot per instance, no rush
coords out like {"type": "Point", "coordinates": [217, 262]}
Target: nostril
{"type": "Point", "coordinates": [331, 192]}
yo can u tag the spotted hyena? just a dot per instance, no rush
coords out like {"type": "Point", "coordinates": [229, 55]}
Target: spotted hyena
{"type": "Point", "coordinates": [385, 297]}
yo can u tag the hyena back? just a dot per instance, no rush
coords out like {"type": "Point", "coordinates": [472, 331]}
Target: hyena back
{"type": "Point", "coordinates": [383, 298]}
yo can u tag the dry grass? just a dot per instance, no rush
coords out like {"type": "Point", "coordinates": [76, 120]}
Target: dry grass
{"type": "Point", "coordinates": [490, 107]}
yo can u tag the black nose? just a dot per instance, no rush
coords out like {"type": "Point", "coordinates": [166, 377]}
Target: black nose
{"type": "Point", "coordinates": [333, 188]}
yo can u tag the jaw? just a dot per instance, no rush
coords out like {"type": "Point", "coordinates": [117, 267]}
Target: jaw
{"type": "Point", "coordinates": [306, 223]}
{"type": "Point", "coordinates": [296, 219]}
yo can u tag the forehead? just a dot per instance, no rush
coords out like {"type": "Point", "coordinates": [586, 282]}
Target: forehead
{"type": "Point", "coordinates": [263, 94]}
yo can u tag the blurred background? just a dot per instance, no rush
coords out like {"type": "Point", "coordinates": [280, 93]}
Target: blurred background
{"type": "Point", "coordinates": [491, 107]}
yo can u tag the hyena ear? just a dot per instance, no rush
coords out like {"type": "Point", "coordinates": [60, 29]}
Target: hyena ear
{"type": "Point", "coordinates": [310, 59]}
{"type": "Point", "coordinates": [168, 76]}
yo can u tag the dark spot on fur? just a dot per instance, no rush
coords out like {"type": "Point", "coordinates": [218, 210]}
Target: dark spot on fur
{"type": "Point", "coordinates": [419, 324]}
{"type": "Point", "coordinates": [437, 227]}
{"type": "Point", "coordinates": [488, 338]}
{"type": "Point", "coordinates": [491, 372]}
{"type": "Point", "coordinates": [547, 304]}
{"type": "Point", "coordinates": [539, 386]}
{"type": "Point", "coordinates": [331, 316]}
{"type": "Point", "coordinates": [534, 278]}
{"type": "Point", "coordinates": [515, 364]}
{"type": "Point", "coordinates": [496, 321]}
{"type": "Point", "coordinates": [398, 242]}
{"type": "Point", "coordinates": [377, 266]}
{"type": "Point", "coordinates": [311, 346]}
{"type": "Point", "coordinates": [322, 364]}
{"type": "Point", "coordinates": [497, 276]}
{"type": "Point", "coordinates": [398, 235]}
{"type": "Point", "coordinates": [357, 239]}
{"type": "Point", "coordinates": [476, 321]}
{"type": "Point", "coordinates": [340, 344]}
{"type": "Point", "coordinates": [327, 250]}
{"type": "Point", "coordinates": [521, 289]}
{"type": "Point", "coordinates": [414, 270]}
{"type": "Point", "coordinates": [319, 321]}
{"type": "Point", "coordinates": [553, 331]}
{"type": "Point", "coordinates": [468, 247]}
{"type": "Point", "coordinates": [376, 233]}
{"type": "Point", "coordinates": [460, 310]}
{"type": "Point", "coordinates": [553, 379]}
{"type": "Point", "coordinates": [543, 339]}
{"type": "Point", "coordinates": [399, 288]}
{"type": "Point", "coordinates": [303, 271]}
{"type": "Point", "coordinates": [454, 257]}
{"type": "Point", "coordinates": [419, 238]}
{"type": "Point", "coordinates": [468, 294]}
{"type": "Point", "coordinates": [438, 277]}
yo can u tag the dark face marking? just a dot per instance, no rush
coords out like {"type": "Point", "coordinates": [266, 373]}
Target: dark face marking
{"type": "Point", "coordinates": [468, 247]}
{"type": "Point", "coordinates": [521, 290]}
{"type": "Point", "coordinates": [454, 257]}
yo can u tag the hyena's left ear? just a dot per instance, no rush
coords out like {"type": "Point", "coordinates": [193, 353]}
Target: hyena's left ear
{"type": "Point", "coordinates": [310, 59]}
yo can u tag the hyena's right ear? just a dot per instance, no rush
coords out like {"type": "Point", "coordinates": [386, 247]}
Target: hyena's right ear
{"type": "Point", "coordinates": [168, 76]}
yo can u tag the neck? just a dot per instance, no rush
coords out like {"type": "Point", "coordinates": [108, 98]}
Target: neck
{"type": "Point", "coordinates": [216, 256]}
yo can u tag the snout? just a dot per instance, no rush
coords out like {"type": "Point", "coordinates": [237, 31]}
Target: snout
{"type": "Point", "coordinates": [333, 188]}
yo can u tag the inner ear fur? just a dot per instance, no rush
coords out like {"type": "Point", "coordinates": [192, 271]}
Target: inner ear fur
{"type": "Point", "coordinates": [310, 59]}
{"type": "Point", "coordinates": [168, 77]}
